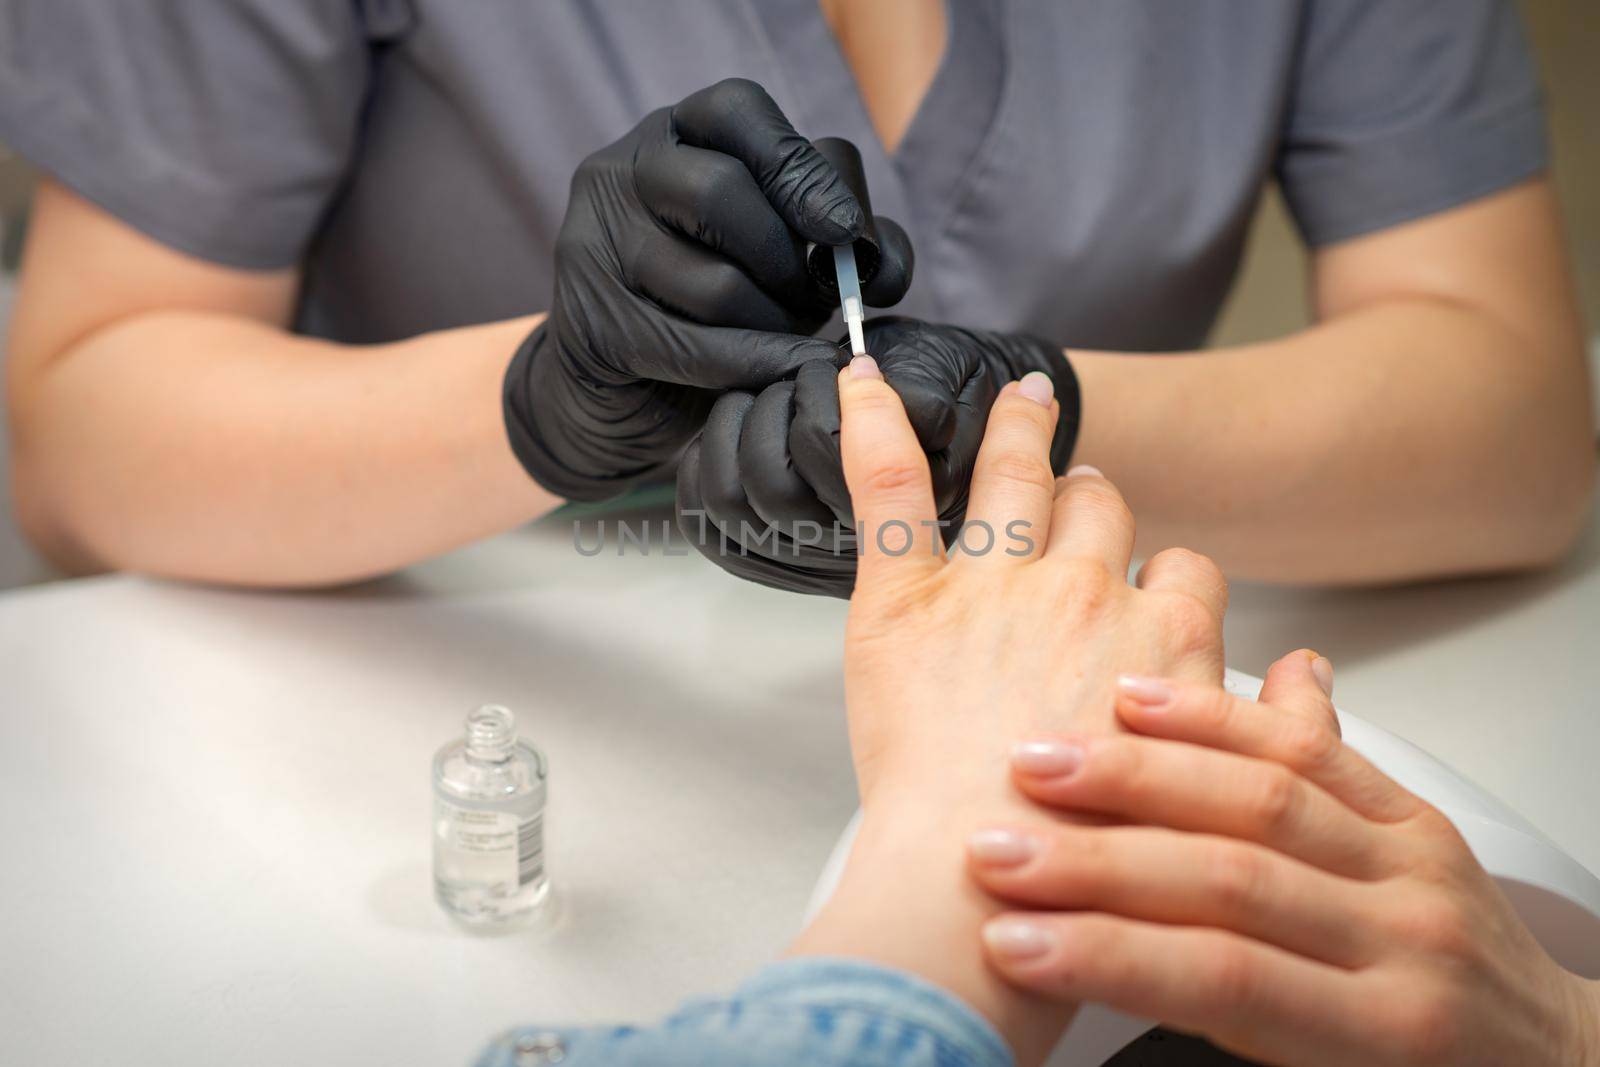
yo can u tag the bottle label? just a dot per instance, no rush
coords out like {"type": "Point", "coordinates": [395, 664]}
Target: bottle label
{"type": "Point", "coordinates": [493, 847]}
{"type": "Point", "coordinates": [530, 849]}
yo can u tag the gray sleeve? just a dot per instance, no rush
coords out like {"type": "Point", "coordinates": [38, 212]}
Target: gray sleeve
{"type": "Point", "coordinates": [219, 127]}
{"type": "Point", "coordinates": [1401, 108]}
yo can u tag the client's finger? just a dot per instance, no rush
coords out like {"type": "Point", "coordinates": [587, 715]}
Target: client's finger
{"type": "Point", "coordinates": [1187, 787]}
{"type": "Point", "coordinates": [1255, 999]}
{"type": "Point", "coordinates": [1012, 485]}
{"type": "Point", "coordinates": [1178, 570]}
{"type": "Point", "coordinates": [1165, 876]}
{"type": "Point", "coordinates": [1302, 683]}
{"type": "Point", "coordinates": [891, 491]}
{"type": "Point", "coordinates": [1090, 518]}
{"type": "Point", "coordinates": [1207, 715]}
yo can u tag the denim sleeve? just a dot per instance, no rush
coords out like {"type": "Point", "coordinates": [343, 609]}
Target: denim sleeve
{"type": "Point", "coordinates": [812, 1012]}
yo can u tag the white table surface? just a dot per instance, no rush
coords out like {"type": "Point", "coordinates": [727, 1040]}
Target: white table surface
{"type": "Point", "coordinates": [215, 804]}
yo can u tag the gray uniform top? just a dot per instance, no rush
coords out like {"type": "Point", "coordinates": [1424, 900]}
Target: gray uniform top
{"type": "Point", "coordinates": [1082, 169]}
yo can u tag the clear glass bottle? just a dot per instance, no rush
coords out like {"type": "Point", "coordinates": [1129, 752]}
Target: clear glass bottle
{"type": "Point", "coordinates": [489, 793]}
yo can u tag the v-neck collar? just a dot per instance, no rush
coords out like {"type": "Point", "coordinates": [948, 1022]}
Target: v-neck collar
{"type": "Point", "coordinates": [920, 182]}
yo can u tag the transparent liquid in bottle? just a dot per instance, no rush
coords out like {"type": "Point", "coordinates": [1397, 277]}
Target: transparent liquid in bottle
{"type": "Point", "coordinates": [489, 795]}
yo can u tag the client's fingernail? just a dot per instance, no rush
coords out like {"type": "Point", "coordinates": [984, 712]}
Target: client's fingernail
{"type": "Point", "coordinates": [1150, 692]}
{"type": "Point", "coordinates": [864, 367]}
{"type": "Point", "coordinates": [1047, 759]}
{"type": "Point", "coordinates": [1322, 667]}
{"type": "Point", "coordinates": [1083, 470]}
{"type": "Point", "coordinates": [1001, 848]}
{"type": "Point", "coordinates": [1037, 386]}
{"type": "Point", "coordinates": [1017, 939]}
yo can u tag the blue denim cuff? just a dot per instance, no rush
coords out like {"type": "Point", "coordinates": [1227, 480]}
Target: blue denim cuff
{"type": "Point", "coordinates": [806, 1012]}
{"type": "Point", "coordinates": [843, 984]}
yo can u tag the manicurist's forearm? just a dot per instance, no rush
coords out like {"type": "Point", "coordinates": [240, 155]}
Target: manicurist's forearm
{"type": "Point", "coordinates": [211, 447]}
{"type": "Point", "coordinates": [1408, 438]}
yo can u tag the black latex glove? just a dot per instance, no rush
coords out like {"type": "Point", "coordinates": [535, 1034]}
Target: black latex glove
{"type": "Point", "coordinates": [761, 491]}
{"type": "Point", "coordinates": [680, 273]}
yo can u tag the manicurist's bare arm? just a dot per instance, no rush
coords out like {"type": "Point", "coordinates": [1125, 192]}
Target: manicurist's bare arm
{"type": "Point", "coordinates": [164, 420]}
{"type": "Point", "coordinates": [1436, 420]}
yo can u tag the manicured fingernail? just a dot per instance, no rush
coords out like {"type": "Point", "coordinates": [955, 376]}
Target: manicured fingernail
{"type": "Point", "coordinates": [1017, 939]}
{"type": "Point", "coordinates": [1047, 759]}
{"type": "Point", "coordinates": [1147, 692]}
{"type": "Point", "coordinates": [1083, 470]}
{"type": "Point", "coordinates": [1322, 667]}
{"type": "Point", "coordinates": [1001, 848]}
{"type": "Point", "coordinates": [865, 367]}
{"type": "Point", "coordinates": [1037, 386]}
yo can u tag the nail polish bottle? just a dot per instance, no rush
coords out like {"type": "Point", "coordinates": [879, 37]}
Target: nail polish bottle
{"type": "Point", "coordinates": [489, 795]}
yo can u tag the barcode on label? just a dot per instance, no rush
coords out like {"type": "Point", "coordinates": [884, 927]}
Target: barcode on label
{"type": "Point", "coordinates": [530, 850]}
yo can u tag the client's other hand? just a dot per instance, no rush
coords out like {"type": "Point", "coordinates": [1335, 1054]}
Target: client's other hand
{"type": "Point", "coordinates": [761, 491]}
{"type": "Point", "coordinates": [1285, 899]}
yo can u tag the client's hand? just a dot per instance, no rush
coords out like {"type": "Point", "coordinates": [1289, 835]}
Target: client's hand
{"type": "Point", "coordinates": [1287, 900]}
{"type": "Point", "coordinates": [950, 657]}
{"type": "Point", "coordinates": [1023, 624]}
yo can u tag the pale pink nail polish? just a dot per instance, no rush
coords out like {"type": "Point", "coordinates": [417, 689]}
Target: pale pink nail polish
{"type": "Point", "coordinates": [864, 367]}
{"type": "Point", "coordinates": [1001, 848]}
{"type": "Point", "coordinates": [1047, 759]}
{"type": "Point", "coordinates": [1037, 386]}
{"type": "Point", "coordinates": [1147, 692]}
{"type": "Point", "coordinates": [1083, 470]}
{"type": "Point", "coordinates": [1322, 668]}
{"type": "Point", "coordinates": [1018, 939]}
